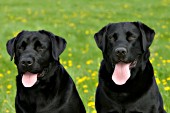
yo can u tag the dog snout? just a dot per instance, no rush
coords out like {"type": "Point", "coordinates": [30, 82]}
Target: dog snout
{"type": "Point", "coordinates": [26, 62]}
{"type": "Point", "coordinates": [121, 51]}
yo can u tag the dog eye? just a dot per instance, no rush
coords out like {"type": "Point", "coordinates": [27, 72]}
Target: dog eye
{"type": "Point", "coordinates": [113, 36]}
{"type": "Point", "coordinates": [39, 48]}
{"type": "Point", "coordinates": [22, 46]}
{"type": "Point", "coordinates": [131, 38]}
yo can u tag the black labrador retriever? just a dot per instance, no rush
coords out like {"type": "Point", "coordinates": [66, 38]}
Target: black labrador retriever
{"type": "Point", "coordinates": [43, 85]}
{"type": "Point", "coordinates": [126, 78]}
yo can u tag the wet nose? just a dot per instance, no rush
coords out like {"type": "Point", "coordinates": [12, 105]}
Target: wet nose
{"type": "Point", "coordinates": [121, 51]}
{"type": "Point", "coordinates": [27, 62]}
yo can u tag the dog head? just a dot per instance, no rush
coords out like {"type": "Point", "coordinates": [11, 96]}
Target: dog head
{"type": "Point", "coordinates": [33, 51]}
{"type": "Point", "coordinates": [122, 44]}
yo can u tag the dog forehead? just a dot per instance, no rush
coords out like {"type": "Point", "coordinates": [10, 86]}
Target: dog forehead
{"type": "Point", "coordinates": [123, 27]}
{"type": "Point", "coordinates": [31, 36]}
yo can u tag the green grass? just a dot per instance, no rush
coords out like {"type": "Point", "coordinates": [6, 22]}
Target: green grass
{"type": "Point", "coordinates": [77, 21]}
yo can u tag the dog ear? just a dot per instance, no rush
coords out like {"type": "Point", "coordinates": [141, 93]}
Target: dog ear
{"type": "Point", "coordinates": [147, 35]}
{"type": "Point", "coordinates": [100, 37]}
{"type": "Point", "coordinates": [58, 44]}
{"type": "Point", "coordinates": [10, 45]}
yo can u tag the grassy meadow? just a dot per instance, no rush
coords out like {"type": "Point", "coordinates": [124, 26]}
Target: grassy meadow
{"type": "Point", "coordinates": [77, 21]}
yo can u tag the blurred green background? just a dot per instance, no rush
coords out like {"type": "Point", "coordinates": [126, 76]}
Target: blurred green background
{"type": "Point", "coordinates": [77, 21]}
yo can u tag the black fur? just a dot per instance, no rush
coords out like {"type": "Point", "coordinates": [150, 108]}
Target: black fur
{"type": "Point", "coordinates": [140, 94]}
{"type": "Point", "coordinates": [55, 92]}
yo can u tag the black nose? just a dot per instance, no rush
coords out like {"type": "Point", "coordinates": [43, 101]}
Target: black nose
{"type": "Point", "coordinates": [26, 62]}
{"type": "Point", "coordinates": [121, 51]}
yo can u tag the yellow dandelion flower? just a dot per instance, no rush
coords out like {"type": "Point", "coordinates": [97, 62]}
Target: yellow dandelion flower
{"type": "Point", "coordinates": [64, 62]}
{"type": "Point", "coordinates": [65, 67]}
{"type": "Point", "coordinates": [5, 101]}
{"type": "Point", "coordinates": [85, 86]}
{"type": "Point", "coordinates": [158, 81]}
{"type": "Point", "coordinates": [15, 33]}
{"type": "Point", "coordinates": [96, 84]}
{"type": "Point", "coordinates": [156, 54]}
{"type": "Point", "coordinates": [91, 98]}
{"type": "Point", "coordinates": [6, 111]}
{"type": "Point", "coordinates": [164, 26]}
{"type": "Point", "coordinates": [61, 61]}
{"type": "Point", "coordinates": [87, 32]}
{"type": "Point", "coordinates": [8, 92]}
{"type": "Point", "coordinates": [158, 65]}
{"type": "Point", "coordinates": [125, 6]}
{"type": "Point", "coordinates": [69, 49]}
{"type": "Point", "coordinates": [77, 78]}
{"type": "Point", "coordinates": [88, 78]}
{"type": "Point", "coordinates": [86, 91]}
{"type": "Point", "coordinates": [8, 72]}
{"type": "Point", "coordinates": [91, 104]}
{"type": "Point", "coordinates": [9, 86]}
{"type": "Point", "coordinates": [88, 62]}
{"type": "Point", "coordinates": [78, 66]}
{"type": "Point", "coordinates": [168, 61]}
{"type": "Point", "coordinates": [155, 72]}
{"type": "Point", "coordinates": [70, 63]}
{"type": "Point", "coordinates": [1, 75]}
{"type": "Point", "coordinates": [152, 60]}
{"type": "Point", "coordinates": [163, 80]}
{"type": "Point", "coordinates": [164, 83]}
{"type": "Point", "coordinates": [72, 25]}
{"type": "Point", "coordinates": [82, 79]}
{"type": "Point", "coordinates": [167, 88]}
{"type": "Point", "coordinates": [94, 73]}
{"type": "Point", "coordinates": [164, 61]}
{"type": "Point", "coordinates": [168, 78]}
{"type": "Point", "coordinates": [98, 64]}
{"type": "Point", "coordinates": [23, 20]}
{"type": "Point", "coordinates": [160, 58]}
{"type": "Point", "coordinates": [164, 107]}
{"type": "Point", "coordinates": [89, 71]}
{"type": "Point", "coordinates": [70, 54]}
{"type": "Point", "coordinates": [94, 111]}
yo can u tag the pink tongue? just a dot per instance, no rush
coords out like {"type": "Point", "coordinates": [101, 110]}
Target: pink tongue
{"type": "Point", "coordinates": [121, 73]}
{"type": "Point", "coordinates": [29, 79]}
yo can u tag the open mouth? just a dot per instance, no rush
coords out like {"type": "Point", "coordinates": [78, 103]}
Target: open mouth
{"type": "Point", "coordinates": [42, 74]}
{"type": "Point", "coordinates": [122, 72]}
{"type": "Point", "coordinates": [133, 64]}
{"type": "Point", "coordinates": [29, 79]}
